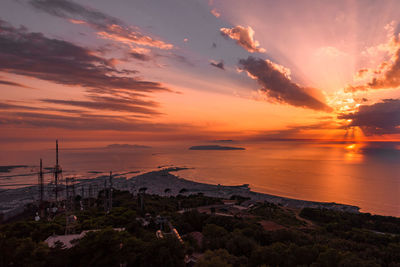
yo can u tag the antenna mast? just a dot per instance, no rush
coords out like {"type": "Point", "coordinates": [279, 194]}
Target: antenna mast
{"type": "Point", "coordinates": [105, 195]}
{"type": "Point", "coordinates": [41, 189]}
{"type": "Point", "coordinates": [57, 173]}
{"type": "Point", "coordinates": [41, 182]}
{"type": "Point", "coordinates": [110, 192]}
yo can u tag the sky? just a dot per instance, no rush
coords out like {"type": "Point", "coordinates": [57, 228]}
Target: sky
{"type": "Point", "coordinates": [173, 70]}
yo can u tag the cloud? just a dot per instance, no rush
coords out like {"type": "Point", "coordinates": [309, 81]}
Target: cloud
{"type": "Point", "coordinates": [176, 57]}
{"type": "Point", "coordinates": [244, 37]}
{"type": "Point", "coordinates": [215, 12]}
{"type": "Point", "coordinates": [276, 84]}
{"type": "Point", "coordinates": [142, 54]}
{"type": "Point", "coordinates": [110, 103]}
{"type": "Point", "coordinates": [4, 82]}
{"type": "Point", "coordinates": [387, 74]}
{"type": "Point", "coordinates": [219, 65]}
{"type": "Point", "coordinates": [34, 55]}
{"type": "Point", "coordinates": [294, 132]}
{"type": "Point", "coordinates": [85, 122]}
{"type": "Point", "coordinates": [377, 119]}
{"type": "Point", "coordinates": [391, 78]}
{"type": "Point", "coordinates": [106, 26]}
{"type": "Point", "coordinates": [7, 107]}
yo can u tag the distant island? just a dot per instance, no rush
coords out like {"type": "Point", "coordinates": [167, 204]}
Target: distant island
{"type": "Point", "coordinates": [8, 168]}
{"type": "Point", "coordinates": [215, 147]}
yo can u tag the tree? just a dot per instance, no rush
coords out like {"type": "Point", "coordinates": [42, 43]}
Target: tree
{"type": "Point", "coordinates": [167, 191]}
{"type": "Point", "coordinates": [183, 191]}
{"type": "Point", "coordinates": [219, 257]}
{"type": "Point", "coordinates": [142, 192]}
{"type": "Point", "coordinates": [215, 236]}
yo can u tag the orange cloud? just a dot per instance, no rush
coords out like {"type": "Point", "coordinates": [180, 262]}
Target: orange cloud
{"type": "Point", "coordinates": [77, 21]}
{"type": "Point", "coordinates": [107, 26]}
{"type": "Point", "coordinates": [215, 12]}
{"type": "Point", "coordinates": [387, 74]}
{"type": "Point", "coordinates": [122, 34]}
{"type": "Point", "coordinates": [244, 37]}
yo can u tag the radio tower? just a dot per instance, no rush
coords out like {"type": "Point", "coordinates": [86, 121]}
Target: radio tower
{"type": "Point", "coordinates": [105, 198]}
{"type": "Point", "coordinates": [57, 173]}
{"type": "Point", "coordinates": [70, 218]}
{"type": "Point", "coordinates": [41, 187]}
{"type": "Point", "coordinates": [40, 182]}
{"type": "Point", "coordinates": [110, 192]}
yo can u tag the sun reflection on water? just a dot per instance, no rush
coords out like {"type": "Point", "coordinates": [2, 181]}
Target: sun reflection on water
{"type": "Point", "coordinates": [353, 154]}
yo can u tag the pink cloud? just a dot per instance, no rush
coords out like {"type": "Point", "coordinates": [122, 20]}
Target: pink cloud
{"type": "Point", "coordinates": [107, 27]}
{"type": "Point", "coordinates": [215, 12]}
{"type": "Point", "coordinates": [244, 37]}
{"type": "Point", "coordinates": [387, 74]}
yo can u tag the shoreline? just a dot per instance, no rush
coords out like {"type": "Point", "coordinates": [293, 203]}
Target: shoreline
{"type": "Point", "coordinates": [224, 191]}
{"type": "Point", "coordinates": [13, 201]}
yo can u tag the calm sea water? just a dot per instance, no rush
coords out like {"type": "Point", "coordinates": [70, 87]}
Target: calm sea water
{"type": "Point", "coordinates": [363, 174]}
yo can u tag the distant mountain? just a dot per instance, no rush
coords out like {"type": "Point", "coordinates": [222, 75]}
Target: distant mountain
{"type": "Point", "coordinates": [215, 147]}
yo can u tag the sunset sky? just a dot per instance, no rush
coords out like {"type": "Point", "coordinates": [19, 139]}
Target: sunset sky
{"type": "Point", "coordinates": [144, 70]}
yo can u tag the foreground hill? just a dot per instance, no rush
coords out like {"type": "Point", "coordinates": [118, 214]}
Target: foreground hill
{"type": "Point", "coordinates": [198, 230]}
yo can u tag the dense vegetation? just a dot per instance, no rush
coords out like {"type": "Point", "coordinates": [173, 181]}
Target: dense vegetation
{"type": "Point", "coordinates": [310, 238]}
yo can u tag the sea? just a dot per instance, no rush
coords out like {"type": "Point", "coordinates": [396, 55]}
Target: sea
{"type": "Point", "coordinates": [365, 174]}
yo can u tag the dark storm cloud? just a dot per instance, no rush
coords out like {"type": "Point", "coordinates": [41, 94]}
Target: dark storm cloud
{"type": "Point", "coordinates": [277, 86]}
{"type": "Point", "coordinates": [219, 65]}
{"type": "Point", "coordinates": [33, 54]}
{"type": "Point", "coordinates": [107, 26]}
{"type": "Point", "coordinates": [377, 119]}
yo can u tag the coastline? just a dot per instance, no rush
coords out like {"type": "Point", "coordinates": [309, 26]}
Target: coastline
{"type": "Point", "coordinates": [13, 201]}
{"type": "Point", "coordinates": [157, 181]}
